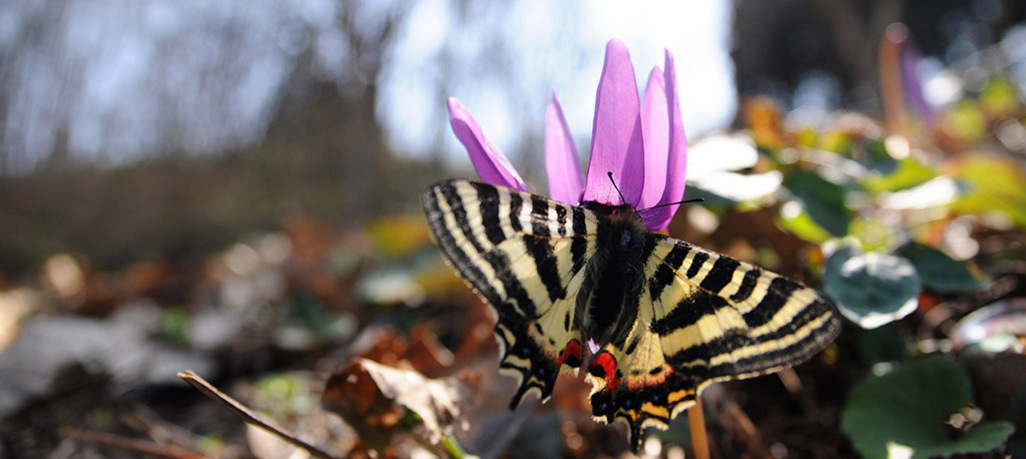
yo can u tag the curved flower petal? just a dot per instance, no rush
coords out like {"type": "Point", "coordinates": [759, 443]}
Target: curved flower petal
{"type": "Point", "coordinates": [655, 123]}
{"type": "Point", "coordinates": [566, 182]}
{"type": "Point", "coordinates": [489, 162]}
{"type": "Point", "coordinates": [677, 160]}
{"type": "Point", "coordinates": [617, 145]}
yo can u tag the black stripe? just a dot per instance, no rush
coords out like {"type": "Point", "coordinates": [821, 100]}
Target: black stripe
{"type": "Point", "coordinates": [561, 218]}
{"type": "Point", "coordinates": [689, 310]}
{"type": "Point", "coordinates": [696, 263]}
{"type": "Point", "coordinates": [579, 246]}
{"type": "Point", "coordinates": [545, 263]}
{"type": "Point", "coordinates": [720, 274]}
{"type": "Point", "coordinates": [730, 340]}
{"type": "Point", "coordinates": [516, 205]}
{"type": "Point", "coordinates": [514, 289]}
{"type": "Point", "coordinates": [459, 214]}
{"type": "Point", "coordinates": [488, 197]}
{"type": "Point", "coordinates": [540, 216]}
{"type": "Point", "coordinates": [666, 273]}
{"type": "Point", "coordinates": [539, 248]}
{"type": "Point", "coordinates": [634, 344]}
{"type": "Point", "coordinates": [747, 285]}
{"type": "Point", "coordinates": [776, 297]}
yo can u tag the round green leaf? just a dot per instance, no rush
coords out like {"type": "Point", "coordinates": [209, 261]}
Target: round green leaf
{"type": "Point", "coordinates": [871, 289]}
{"type": "Point", "coordinates": [939, 271]}
{"type": "Point", "coordinates": [822, 199]}
{"type": "Point", "coordinates": [906, 409]}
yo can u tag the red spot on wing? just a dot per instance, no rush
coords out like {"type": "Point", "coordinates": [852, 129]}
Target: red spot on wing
{"type": "Point", "coordinates": [572, 355]}
{"type": "Point", "coordinates": [604, 366]}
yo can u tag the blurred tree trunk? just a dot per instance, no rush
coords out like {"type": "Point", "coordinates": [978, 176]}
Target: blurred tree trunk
{"type": "Point", "coordinates": [331, 128]}
{"type": "Point", "coordinates": [782, 41]}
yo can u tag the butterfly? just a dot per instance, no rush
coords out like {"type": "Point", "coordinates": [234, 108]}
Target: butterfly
{"type": "Point", "coordinates": [651, 319]}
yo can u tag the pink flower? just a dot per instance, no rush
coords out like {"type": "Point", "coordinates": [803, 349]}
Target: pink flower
{"type": "Point", "coordinates": [641, 143]}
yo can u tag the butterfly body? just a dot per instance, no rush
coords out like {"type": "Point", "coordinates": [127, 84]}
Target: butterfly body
{"type": "Point", "coordinates": [607, 304]}
{"type": "Point", "coordinates": [665, 318]}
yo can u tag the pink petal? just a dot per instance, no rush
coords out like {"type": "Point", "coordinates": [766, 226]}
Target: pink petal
{"type": "Point", "coordinates": [616, 138]}
{"type": "Point", "coordinates": [566, 182]}
{"type": "Point", "coordinates": [489, 162]}
{"type": "Point", "coordinates": [659, 218]}
{"type": "Point", "coordinates": [655, 125]}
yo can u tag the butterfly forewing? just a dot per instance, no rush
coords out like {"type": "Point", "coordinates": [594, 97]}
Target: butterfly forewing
{"type": "Point", "coordinates": [525, 255]}
{"type": "Point", "coordinates": [701, 316]}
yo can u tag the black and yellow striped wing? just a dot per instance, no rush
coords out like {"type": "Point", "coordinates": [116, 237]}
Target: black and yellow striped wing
{"type": "Point", "coordinates": [704, 317]}
{"type": "Point", "coordinates": [524, 254]}
{"type": "Point", "coordinates": [668, 317]}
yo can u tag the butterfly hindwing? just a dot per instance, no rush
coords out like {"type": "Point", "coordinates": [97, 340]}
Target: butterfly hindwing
{"type": "Point", "coordinates": [704, 317]}
{"type": "Point", "coordinates": [525, 255]}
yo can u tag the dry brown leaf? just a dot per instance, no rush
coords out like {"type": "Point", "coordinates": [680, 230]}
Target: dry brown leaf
{"type": "Point", "coordinates": [372, 398]}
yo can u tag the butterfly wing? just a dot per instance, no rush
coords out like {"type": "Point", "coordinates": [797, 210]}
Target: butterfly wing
{"type": "Point", "coordinates": [703, 317]}
{"type": "Point", "coordinates": [525, 254]}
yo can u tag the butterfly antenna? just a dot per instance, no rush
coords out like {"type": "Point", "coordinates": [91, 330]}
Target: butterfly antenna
{"type": "Point", "coordinates": [686, 201]}
{"type": "Point", "coordinates": [610, 174]}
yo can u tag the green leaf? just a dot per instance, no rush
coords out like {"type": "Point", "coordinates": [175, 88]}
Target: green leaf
{"type": "Point", "coordinates": [883, 344]}
{"type": "Point", "coordinates": [999, 98]}
{"type": "Point", "coordinates": [908, 174]}
{"type": "Point", "coordinates": [940, 272]}
{"type": "Point", "coordinates": [794, 219]}
{"type": "Point", "coordinates": [965, 121]}
{"type": "Point", "coordinates": [877, 159]}
{"type": "Point", "coordinates": [871, 289]}
{"type": "Point", "coordinates": [822, 199]}
{"type": "Point", "coordinates": [873, 233]}
{"type": "Point", "coordinates": [906, 409]}
{"type": "Point", "coordinates": [994, 185]}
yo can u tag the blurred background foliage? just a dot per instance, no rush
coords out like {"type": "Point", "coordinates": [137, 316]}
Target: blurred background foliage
{"type": "Point", "coordinates": [233, 187]}
{"type": "Point", "coordinates": [191, 124]}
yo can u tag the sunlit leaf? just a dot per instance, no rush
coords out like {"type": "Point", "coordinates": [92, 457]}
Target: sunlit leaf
{"type": "Point", "coordinates": [909, 173]}
{"type": "Point", "coordinates": [794, 219]}
{"type": "Point", "coordinates": [964, 121]}
{"type": "Point", "coordinates": [994, 185]}
{"type": "Point", "coordinates": [399, 235]}
{"type": "Point", "coordinates": [873, 233]}
{"type": "Point", "coordinates": [940, 272]}
{"type": "Point", "coordinates": [839, 142]}
{"type": "Point", "coordinates": [999, 98]}
{"type": "Point", "coordinates": [738, 187]}
{"type": "Point", "coordinates": [906, 409]}
{"type": "Point", "coordinates": [871, 289]}
{"type": "Point", "coordinates": [937, 192]}
{"type": "Point", "coordinates": [822, 199]}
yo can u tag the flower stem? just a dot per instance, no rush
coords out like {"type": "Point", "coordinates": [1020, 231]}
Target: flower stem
{"type": "Point", "coordinates": [696, 423]}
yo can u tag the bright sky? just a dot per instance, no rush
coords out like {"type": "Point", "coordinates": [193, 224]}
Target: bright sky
{"type": "Point", "coordinates": [562, 56]}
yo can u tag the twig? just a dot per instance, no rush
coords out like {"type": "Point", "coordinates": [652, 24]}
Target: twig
{"type": "Point", "coordinates": [130, 444]}
{"type": "Point", "coordinates": [248, 416]}
{"type": "Point", "coordinates": [696, 423]}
